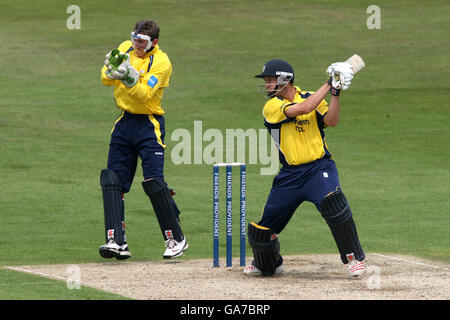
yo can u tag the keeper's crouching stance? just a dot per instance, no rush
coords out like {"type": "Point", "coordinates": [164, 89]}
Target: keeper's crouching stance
{"type": "Point", "coordinates": [296, 119]}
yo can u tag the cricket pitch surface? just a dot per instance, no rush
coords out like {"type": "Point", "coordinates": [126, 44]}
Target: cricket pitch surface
{"type": "Point", "coordinates": [306, 277]}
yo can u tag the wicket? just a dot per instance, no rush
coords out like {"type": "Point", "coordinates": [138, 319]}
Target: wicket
{"type": "Point", "coordinates": [229, 201]}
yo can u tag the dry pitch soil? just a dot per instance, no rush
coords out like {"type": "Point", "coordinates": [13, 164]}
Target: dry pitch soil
{"type": "Point", "coordinates": [306, 277]}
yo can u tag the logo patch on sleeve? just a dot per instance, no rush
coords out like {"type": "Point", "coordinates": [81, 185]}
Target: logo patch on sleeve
{"type": "Point", "coordinates": [152, 81]}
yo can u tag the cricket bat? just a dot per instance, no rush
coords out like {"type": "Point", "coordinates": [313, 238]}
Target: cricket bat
{"type": "Point", "coordinates": [357, 63]}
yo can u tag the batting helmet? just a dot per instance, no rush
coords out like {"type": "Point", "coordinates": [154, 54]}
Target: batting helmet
{"type": "Point", "coordinates": [279, 69]}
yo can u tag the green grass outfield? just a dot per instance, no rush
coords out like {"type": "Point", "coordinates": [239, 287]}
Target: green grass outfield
{"type": "Point", "coordinates": [392, 145]}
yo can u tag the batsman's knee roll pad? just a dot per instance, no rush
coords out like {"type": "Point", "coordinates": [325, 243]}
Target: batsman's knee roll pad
{"type": "Point", "coordinates": [113, 205]}
{"type": "Point", "coordinates": [335, 208]}
{"type": "Point", "coordinates": [109, 178]}
{"type": "Point", "coordinates": [165, 209]}
{"type": "Point", "coordinates": [265, 247]}
{"type": "Point", "coordinates": [154, 186]}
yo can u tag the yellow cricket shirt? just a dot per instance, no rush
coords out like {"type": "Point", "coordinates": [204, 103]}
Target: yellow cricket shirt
{"type": "Point", "coordinates": [145, 97]}
{"type": "Point", "coordinates": [301, 139]}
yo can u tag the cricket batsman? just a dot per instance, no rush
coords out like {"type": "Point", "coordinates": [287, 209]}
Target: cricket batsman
{"type": "Point", "coordinates": [139, 83]}
{"type": "Point", "coordinates": [296, 120]}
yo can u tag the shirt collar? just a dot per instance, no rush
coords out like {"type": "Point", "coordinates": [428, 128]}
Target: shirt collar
{"type": "Point", "coordinates": [154, 50]}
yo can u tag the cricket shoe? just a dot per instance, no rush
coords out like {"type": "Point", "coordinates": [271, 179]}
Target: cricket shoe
{"type": "Point", "coordinates": [109, 250]}
{"type": "Point", "coordinates": [253, 271]}
{"type": "Point", "coordinates": [175, 249]}
{"type": "Point", "coordinates": [355, 268]}
{"type": "Point", "coordinates": [124, 252]}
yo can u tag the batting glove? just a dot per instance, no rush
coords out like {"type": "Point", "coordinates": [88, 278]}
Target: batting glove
{"type": "Point", "coordinates": [334, 91]}
{"type": "Point", "coordinates": [335, 65]}
{"type": "Point", "coordinates": [330, 69]}
{"type": "Point", "coordinates": [342, 75]}
{"type": "Point", "coordinates": [334, 80]}
{"type": "Point", "coordinates": [345, 77]}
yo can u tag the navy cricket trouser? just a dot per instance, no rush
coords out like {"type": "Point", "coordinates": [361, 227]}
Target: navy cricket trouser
{"type": "Point", "coordinates": [133, 136]}
{"type": "Point", "coordinates": [295, 184]}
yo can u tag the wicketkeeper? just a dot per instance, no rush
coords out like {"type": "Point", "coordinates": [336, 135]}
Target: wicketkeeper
{"type": "Point", "coordinates": [139, 83]}
{"type": "Point", "coordinates": [296, 120]}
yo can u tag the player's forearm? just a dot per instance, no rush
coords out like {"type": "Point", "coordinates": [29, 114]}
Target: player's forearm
{"type": "Point", "coordinates": [309, 104]}
{"type": "Point", "coordinates": [138, 92]}
{"type": "Point", "coordinates": [332, 117]}
{"type": "Point", "coordinates": [146, 88]}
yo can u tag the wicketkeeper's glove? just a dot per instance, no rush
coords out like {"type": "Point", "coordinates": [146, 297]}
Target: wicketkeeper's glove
{"type": "Point", "coordinates": [111, 72]}
{"type": "Point", "coordinates": [130, 75]}
{"type": "Point", "coordinates": [124, 72]}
